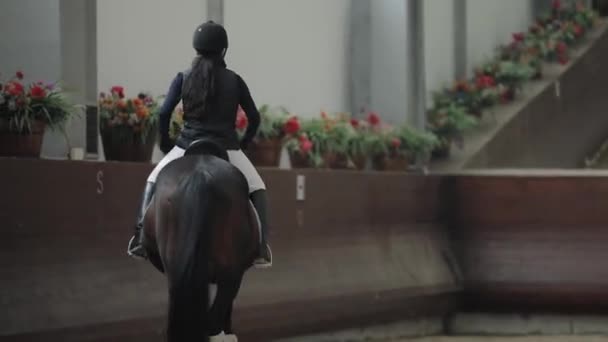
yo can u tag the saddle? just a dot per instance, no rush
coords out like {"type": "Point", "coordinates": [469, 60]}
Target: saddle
{"type": "Point", "coordinates": [206, 146]}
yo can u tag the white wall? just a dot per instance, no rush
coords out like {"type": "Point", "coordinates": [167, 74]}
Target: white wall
{"type": "Point", "coordinates": [291, 52]}
{"type": "Point", "coordinates": [490, 23]}
{"type": "Point", "coordinates": [143, 44]}
{"type": "Point", "coordinates": [439, 45]}
{"type": "Point", "coordinates": [30, 39]}
{"type": "Point", "coordinates": [390, 76]}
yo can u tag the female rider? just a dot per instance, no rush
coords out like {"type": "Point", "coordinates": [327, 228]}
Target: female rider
{"type": "Point", "coordinates": [211, 94]}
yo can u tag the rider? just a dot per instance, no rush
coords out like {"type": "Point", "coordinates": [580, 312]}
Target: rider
{"type": "Point", "coordinates": [211, 94]}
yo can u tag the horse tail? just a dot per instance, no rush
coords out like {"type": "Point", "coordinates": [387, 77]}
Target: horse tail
{"type": "Point", "coordinates": [189, 273]}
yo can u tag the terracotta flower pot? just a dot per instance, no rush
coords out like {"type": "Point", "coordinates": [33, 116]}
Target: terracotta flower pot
{"type": "Point", "coordinates": [265, 152]}
{"type": "Point", "coordinates": [22, 145]}
{"type": "Point", "coordinates": [132, 150]}
{"type": "Point", "coordinates": [299, 161]}
{"type": "Point", "coordinates": [336, 160]}
{"type": "Point", "coordinates": [390, 163]}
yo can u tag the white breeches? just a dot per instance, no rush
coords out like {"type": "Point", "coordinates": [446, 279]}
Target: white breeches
{"type": "Point", "coordinates": [236, 158]}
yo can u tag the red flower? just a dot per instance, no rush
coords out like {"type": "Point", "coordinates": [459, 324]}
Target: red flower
{"type": "Point", "coordinates": [396, 143]}
{"type": "Point", "coordinates": [563, 59]}
{"type": "Point", "coordinates": [118, 90]}
{"type": "Point", "coordinates": [373, 119]}
{"type": "Point", "coordinates": [14, 88]}
{"type": "Point", "coordinates": [241, 119]}
{"type": "Point", "coordinates": [324, 115]}
{"type": "Point", "coordinates": [305, 145]}
{"type": "Point", "coordinates": [19, 75]}
{"type": "Point", "coordinates": [519, 37]}
{"type": "Point", "coordinates": [354, 123]}
{"type": "Point", "coordinates": [292, 125]}
{"type": "Point", "coordinates": [561, 47]}
{"type": "Point", "coordinates": [556, 4]}
{"type": "Point", "coordinates": [37, 92]}
{"type": "Point", "coordinates": [485, 81]}
{"type": "Point", "coordinates": [578, 30]}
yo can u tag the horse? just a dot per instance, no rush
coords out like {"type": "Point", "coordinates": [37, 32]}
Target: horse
{"type": "Point", "coordinates": [202, 232]}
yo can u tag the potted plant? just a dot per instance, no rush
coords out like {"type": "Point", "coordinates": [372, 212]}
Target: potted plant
{"type": "Point", "coordinates": [448, 124]}
{"type": "Point", "coordinates": [300, 149]}
{"type": "Point", "coordinates": [339, 136]}
{"type": "Point", "coordinates": [378, 143]}
{"type": "Point", "coordinates": [404, 146]}
{"type": "Point", "coordinates": [357, 143]}
{"type": "Point", "coordinates": [127, 125]}
{"type": "Point", "coordinates": [25, 113]}
{"type": "Point", "coordinates": [512, 75]}
{"type": "Point", "coordinates": [176, 123]}
{"type": "Point", "coordinates": [266, 147]}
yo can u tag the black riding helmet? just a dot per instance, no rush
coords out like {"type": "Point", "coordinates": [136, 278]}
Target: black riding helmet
{"type": "Point", "coordinates": [210, 37]}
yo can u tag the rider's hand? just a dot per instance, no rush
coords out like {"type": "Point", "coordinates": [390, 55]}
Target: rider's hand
{"type": "Point", "coordinates": [166, 144]}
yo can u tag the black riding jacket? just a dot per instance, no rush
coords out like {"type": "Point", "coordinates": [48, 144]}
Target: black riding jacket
{"type": "Point", "coordinates": [220, 121]}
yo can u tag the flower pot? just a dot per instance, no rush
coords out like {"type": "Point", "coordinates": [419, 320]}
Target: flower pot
{"type": "Point", "coordinates": [508, 95]}
{"type": "Point", "coordinates": [359, 161]}
{"type": "Point", "coordinates": [22, 145]}
{"type": "Point", "coordinates": [390, 163]}
{"type": "Point", "coordinates": [298, 161]}
{"type": "Point", "coordinates": [442, 151]}
{"type": "Point", "coordinates": [265, 152]}
{"type": "Point", "coordinates": [336, 160]}
{"type": "Point", "coordinates": [538, 73]}
{"type": "Point", "coordinates": [132, 149]}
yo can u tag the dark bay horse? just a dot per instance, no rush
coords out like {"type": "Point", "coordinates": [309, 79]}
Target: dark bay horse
{"type": "Point", "coordinates": [201, 229]}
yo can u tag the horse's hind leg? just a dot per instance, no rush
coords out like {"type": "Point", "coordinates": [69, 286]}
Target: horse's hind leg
{"type": "Point", "coordinates": [233, 288]}
{"type": "Point", "coordinates": [221, 310]}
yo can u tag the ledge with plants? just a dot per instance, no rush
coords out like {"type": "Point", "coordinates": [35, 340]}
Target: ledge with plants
{"type": "Point", "coordinates": [334, 141]}
{"type": "Point", "coordinates": [26, 111]}
{"type": "Point", "coordinates": [550, 39]}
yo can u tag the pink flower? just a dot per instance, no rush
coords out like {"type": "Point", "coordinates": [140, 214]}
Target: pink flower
{"type": "Point", "coordinates": [305, 145]}
{"type": "Point", "coordinates": [118, 90]}
{"type": "Point", "coordinates": [14, 88]}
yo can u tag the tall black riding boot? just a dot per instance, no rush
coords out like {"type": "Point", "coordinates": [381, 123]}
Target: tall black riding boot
{"type": "Point", "coordinates": [258, 198]}
{"type": "Point", "coordinates": [136, 249]}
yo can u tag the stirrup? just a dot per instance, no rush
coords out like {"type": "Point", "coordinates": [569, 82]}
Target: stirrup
{"type": "Point", "coordinates": [260, 262]}
{"type": "Point", "coordinates": [138, 252]}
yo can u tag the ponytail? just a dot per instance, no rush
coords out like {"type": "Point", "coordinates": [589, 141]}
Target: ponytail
{"type": "Point", "coordinates": [199, 87]}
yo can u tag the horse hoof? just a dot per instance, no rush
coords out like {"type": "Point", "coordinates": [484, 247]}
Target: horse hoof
{"type": "Point", "coordinates": [230, 338]}
{"type": "Point", "coordinates": [223, 338]}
